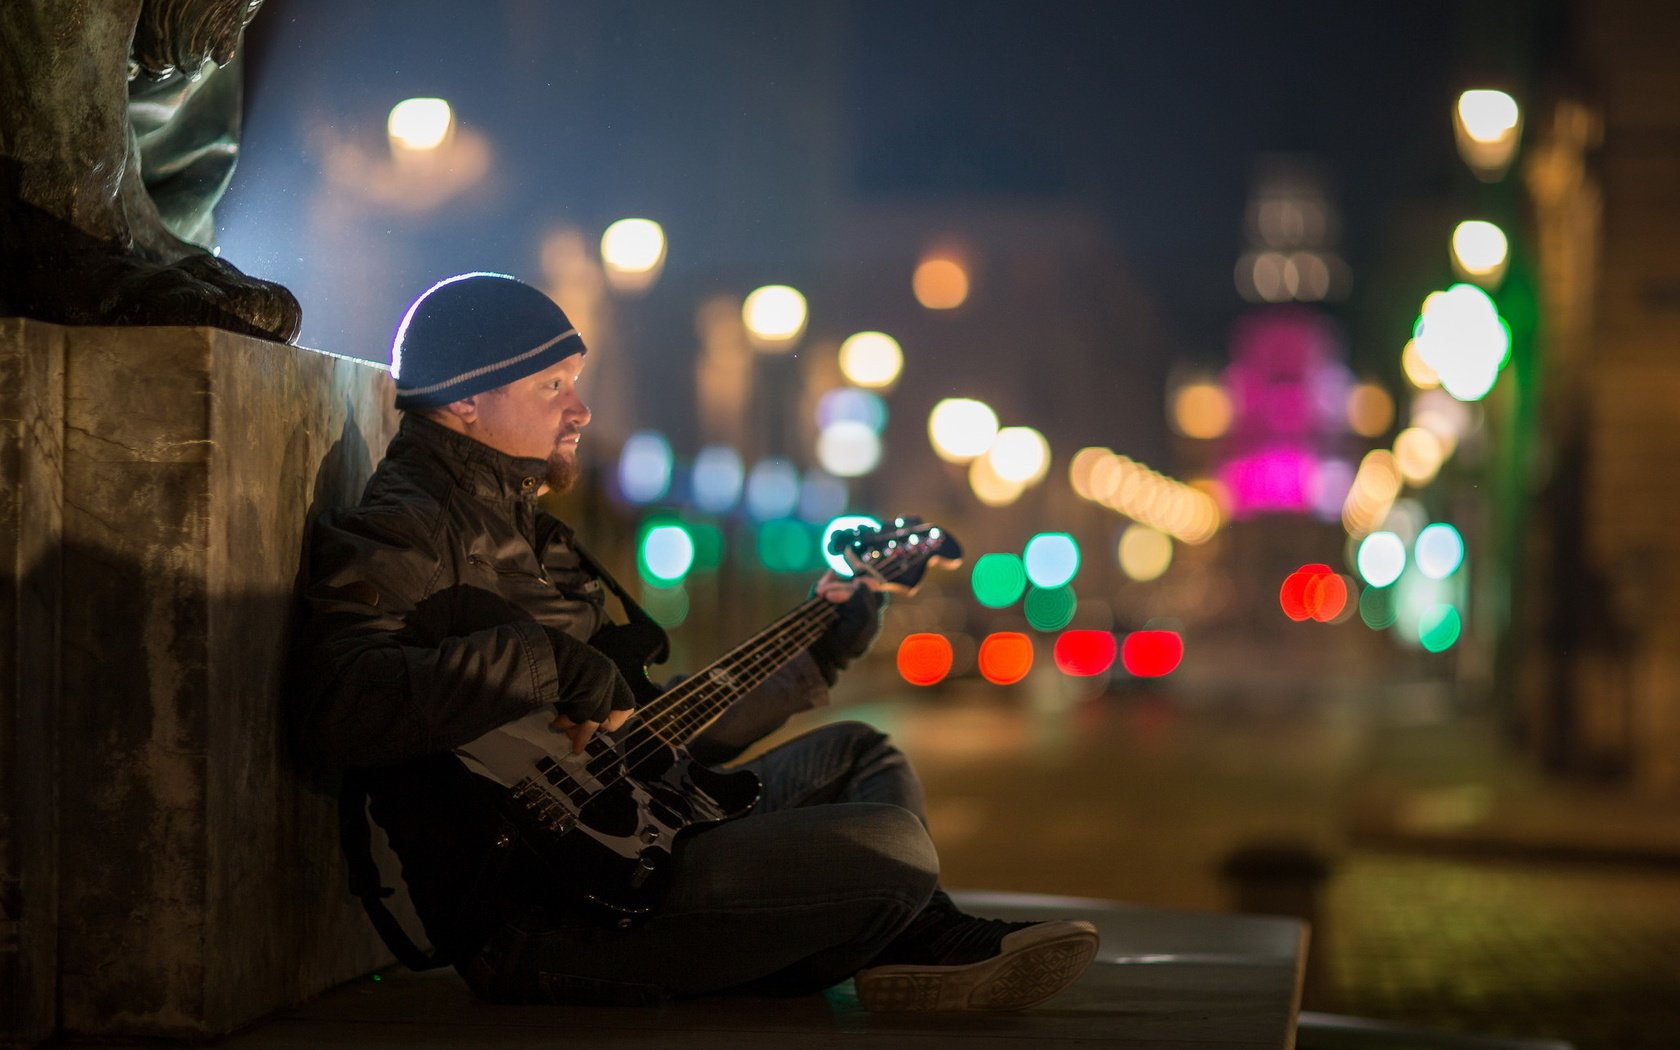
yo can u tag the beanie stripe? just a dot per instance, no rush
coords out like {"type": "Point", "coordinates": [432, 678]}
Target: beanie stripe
{"type": "Point", "coordinates": [407, 391]}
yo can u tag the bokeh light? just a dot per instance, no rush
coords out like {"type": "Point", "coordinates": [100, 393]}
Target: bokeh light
{"type": "Point", "coordinates": [925, 659]}
{"type": "Point", "coordinates": [774, 316]}
{"type": "Point", "coordinates": [1085, 653]}
{"type": "Point", "coordinates": [1145, 553]}
{"type": "Point", "coordinates": [871, 359]}
{"type": "Point", "coordinates": [849, 405]}
{"type": "Point", "coordinates": [667, 605]}
{"type": "Point", "coordinates": [961, 428]}
{"type": "Point", "coordinates": [1005, 657]}
{"type": "Point", "coordinates": [1051, 559]}
{"type": "Point", "coordinates": [1419, 455]}
{"type": "Point", "coordinates": [940, 283]}
{"type": "Point", "coordinates": [998, 579]}
{"type": "Point", "coordinates": [1480, 250]}
{"type": "Point", "coordinates": [1462, 337]}
{"type": "Point", "coordinates": [1370, 410]}
{"type": "Point", "coordinates": [1379, 607]}
{"type": "Point", "coordinates": [1438, 551]}
{"type": "Point", "coordinates": [1439, 627]}
{"type": "Point", "coordinates": [1417, 370]}
{"type": "Point", "coordinates": [644, 467]}
{"type": "Point", "coordinates": [1152, 654]}
{"type": "Point", "coordinates": [1050, 608]}
{"type": "Point", "coordinates": [1488, 116]}
{"type": "Point", "coordinates": [633, 253]}
{"type": "Point", "coordinates": [717, 479]}
{"type": "Point", "coordinates": [419, 124]}
{"type": "Point", "coordinates": [848, 449]}
{"type": "Point", "coordinates": [665, 554]}
{"type": "Point", "coordinates": [1381, 558]}
{"type": "Point", "coordinates": [989, 487]}
{"type": "Point", "coordinates": [1020, 455]}
{"type": "Point", "coordinates": [772, 489]}
{"type": "Point", "coordinates": [1313, 592]}
{"type": "Point", "coordinates": [1202, 410]}
{"type": "Point", "coordinates": [1486, 127]}
{"type": "Point", "coordinates": [786, 545]}
{"type": "Point", "coordinates": [821, 496]}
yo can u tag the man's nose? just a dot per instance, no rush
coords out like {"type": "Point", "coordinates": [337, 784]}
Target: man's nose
{"type": "Point", "coordinates": [579, 413]}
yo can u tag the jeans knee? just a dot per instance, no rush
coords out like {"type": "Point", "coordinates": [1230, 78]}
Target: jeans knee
{"type": "Point", "coordinates": [892, 843]}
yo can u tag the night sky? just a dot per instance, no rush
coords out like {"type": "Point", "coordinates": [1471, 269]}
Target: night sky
{"type": "Point", "coordinates": [746, 128]}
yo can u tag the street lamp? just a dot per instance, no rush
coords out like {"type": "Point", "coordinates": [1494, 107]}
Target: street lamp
{"type": "Point", "coordinates": [418, 125]}
{"type": "Point", "coordinates": [774, 316]}
{"type": "Point", "coordinates": [633, 254]}
{"type": "Point", "coordinates": [1487, 125]}
{"type": "Point", "coordinates": [1480, 252]}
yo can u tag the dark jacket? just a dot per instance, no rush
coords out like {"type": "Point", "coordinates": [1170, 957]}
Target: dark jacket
{"type": "Point", "coordinates": [427, 612]}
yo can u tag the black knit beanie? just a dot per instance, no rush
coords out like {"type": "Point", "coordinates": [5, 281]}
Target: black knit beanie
{"type": "Point", "coordinates": [476, 332]}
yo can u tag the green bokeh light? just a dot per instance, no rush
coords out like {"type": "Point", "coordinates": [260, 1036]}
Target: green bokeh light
{"type": "Point", "coordinates": [1050, 608]}
{"type": "Point", "coordinates": [1439, 627]}
{"type": "Point", "coordinates": [785, 545]}
{"type": "Point", "coordinates": [1378, 607]}
{"type": "Point", "coordinates": [998, 580]}
{"type": "Point", "coordinates": [708, 545]}
{"type": "Point", "coordinates": [667, 605]}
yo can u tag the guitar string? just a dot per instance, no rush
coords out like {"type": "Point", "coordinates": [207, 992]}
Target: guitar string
{"type": "Point", "coordinates": [811, 619]}
{"type": "Point", "coordinates": [703, 706]}
{"type": "Point", "coordinates": [771, 639]}
{"type": "Point", "coordinates": [788, 646]}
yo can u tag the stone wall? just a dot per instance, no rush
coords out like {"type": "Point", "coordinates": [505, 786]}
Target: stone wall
{"type": "Point", "coordinates": [198, 879]}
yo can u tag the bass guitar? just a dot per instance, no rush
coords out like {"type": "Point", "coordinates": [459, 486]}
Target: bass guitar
{"type": "Point", "coordinates": [608, 819]}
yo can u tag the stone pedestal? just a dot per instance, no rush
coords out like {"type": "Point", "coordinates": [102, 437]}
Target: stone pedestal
{"type": "Point", "coordinates": [31, 531]}
{"type": "Point", "coordinates": [198, 879]}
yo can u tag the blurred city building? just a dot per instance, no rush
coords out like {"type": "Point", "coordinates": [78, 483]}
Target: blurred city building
{"type": "Point", "coordinates": [1597, 677]}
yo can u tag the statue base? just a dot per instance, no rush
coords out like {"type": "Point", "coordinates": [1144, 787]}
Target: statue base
{"type": "Point", "coordinates": [166, 869]}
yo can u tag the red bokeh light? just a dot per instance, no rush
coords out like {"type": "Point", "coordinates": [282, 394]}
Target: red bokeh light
{"type": "Point", "coordinates": [1005, 657]}
{"type": "Point", "coordinates": [1313, 592]}
{"type": "Point", "coordinates": [1085, 653]}
{"type": "Point", "coordinates": [924, 659]}
{"type": "Point", "coordinates": [1151, 654]}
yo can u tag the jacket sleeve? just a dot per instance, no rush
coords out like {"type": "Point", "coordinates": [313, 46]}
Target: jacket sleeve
{"type": "Point", "coordinates": [797, 686]}
{"type": "Point", "coordinates": [370, 687]}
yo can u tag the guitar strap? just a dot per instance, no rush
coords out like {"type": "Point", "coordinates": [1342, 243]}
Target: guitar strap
{"type": "Point", "coordinates": [355, 837]}
{"type": "Point", "coordinates": [636, 614]}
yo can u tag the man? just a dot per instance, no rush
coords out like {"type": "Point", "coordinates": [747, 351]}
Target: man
{"type": "Point", "coordinates": [449, 603]}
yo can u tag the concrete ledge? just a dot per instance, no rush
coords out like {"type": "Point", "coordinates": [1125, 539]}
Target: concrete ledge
{"type": "Point", "coordinates": [198, 881]}
{"type": "Point", "coordinates": [1162, 978]}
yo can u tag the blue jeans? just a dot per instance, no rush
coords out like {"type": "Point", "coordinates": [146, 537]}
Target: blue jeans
{"type": "Point", "coordinates": [798, 895]}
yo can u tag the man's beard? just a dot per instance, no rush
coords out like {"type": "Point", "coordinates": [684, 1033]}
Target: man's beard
{"type": "Point", "coordinates": [562, 471]}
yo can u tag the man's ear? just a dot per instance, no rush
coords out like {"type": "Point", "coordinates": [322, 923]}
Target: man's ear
{"type": "Point", "coordinates": [465, 410]}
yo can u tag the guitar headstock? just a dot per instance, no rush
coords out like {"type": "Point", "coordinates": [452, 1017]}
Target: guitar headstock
{"type": "Point", "coordinates": [896, 554]}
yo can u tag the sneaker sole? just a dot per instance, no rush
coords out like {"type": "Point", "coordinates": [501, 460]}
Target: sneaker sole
{"type": "Point", "coordinates": [1033, 965]}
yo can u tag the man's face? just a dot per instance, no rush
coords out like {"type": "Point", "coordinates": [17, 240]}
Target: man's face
{"type": "Point", "coordinates": [538, 417]}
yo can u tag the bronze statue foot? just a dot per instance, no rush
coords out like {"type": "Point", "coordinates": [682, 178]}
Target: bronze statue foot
{"type": "Point", "coordinates": [54, 272]}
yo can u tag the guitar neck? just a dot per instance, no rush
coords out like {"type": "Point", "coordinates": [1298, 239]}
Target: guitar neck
{"type": "Point", "coordinates": [687, 708]}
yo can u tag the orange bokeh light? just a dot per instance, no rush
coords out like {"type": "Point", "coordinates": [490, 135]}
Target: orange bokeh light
{"type": "Point", "coordinates": [1005, 657]}
{"type": "Point", "coordinates": [924, 659]}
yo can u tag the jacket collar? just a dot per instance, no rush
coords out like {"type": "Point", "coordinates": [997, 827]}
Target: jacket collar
{"type": "Point", "coordinates": [486, 472]}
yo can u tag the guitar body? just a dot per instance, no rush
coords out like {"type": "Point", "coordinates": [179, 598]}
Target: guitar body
{"type": "Point", "coordinates": [606, 821]}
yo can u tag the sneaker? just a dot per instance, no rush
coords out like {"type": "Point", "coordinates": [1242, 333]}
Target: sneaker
{"type": "Point", "coordinates": [953, 961]}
